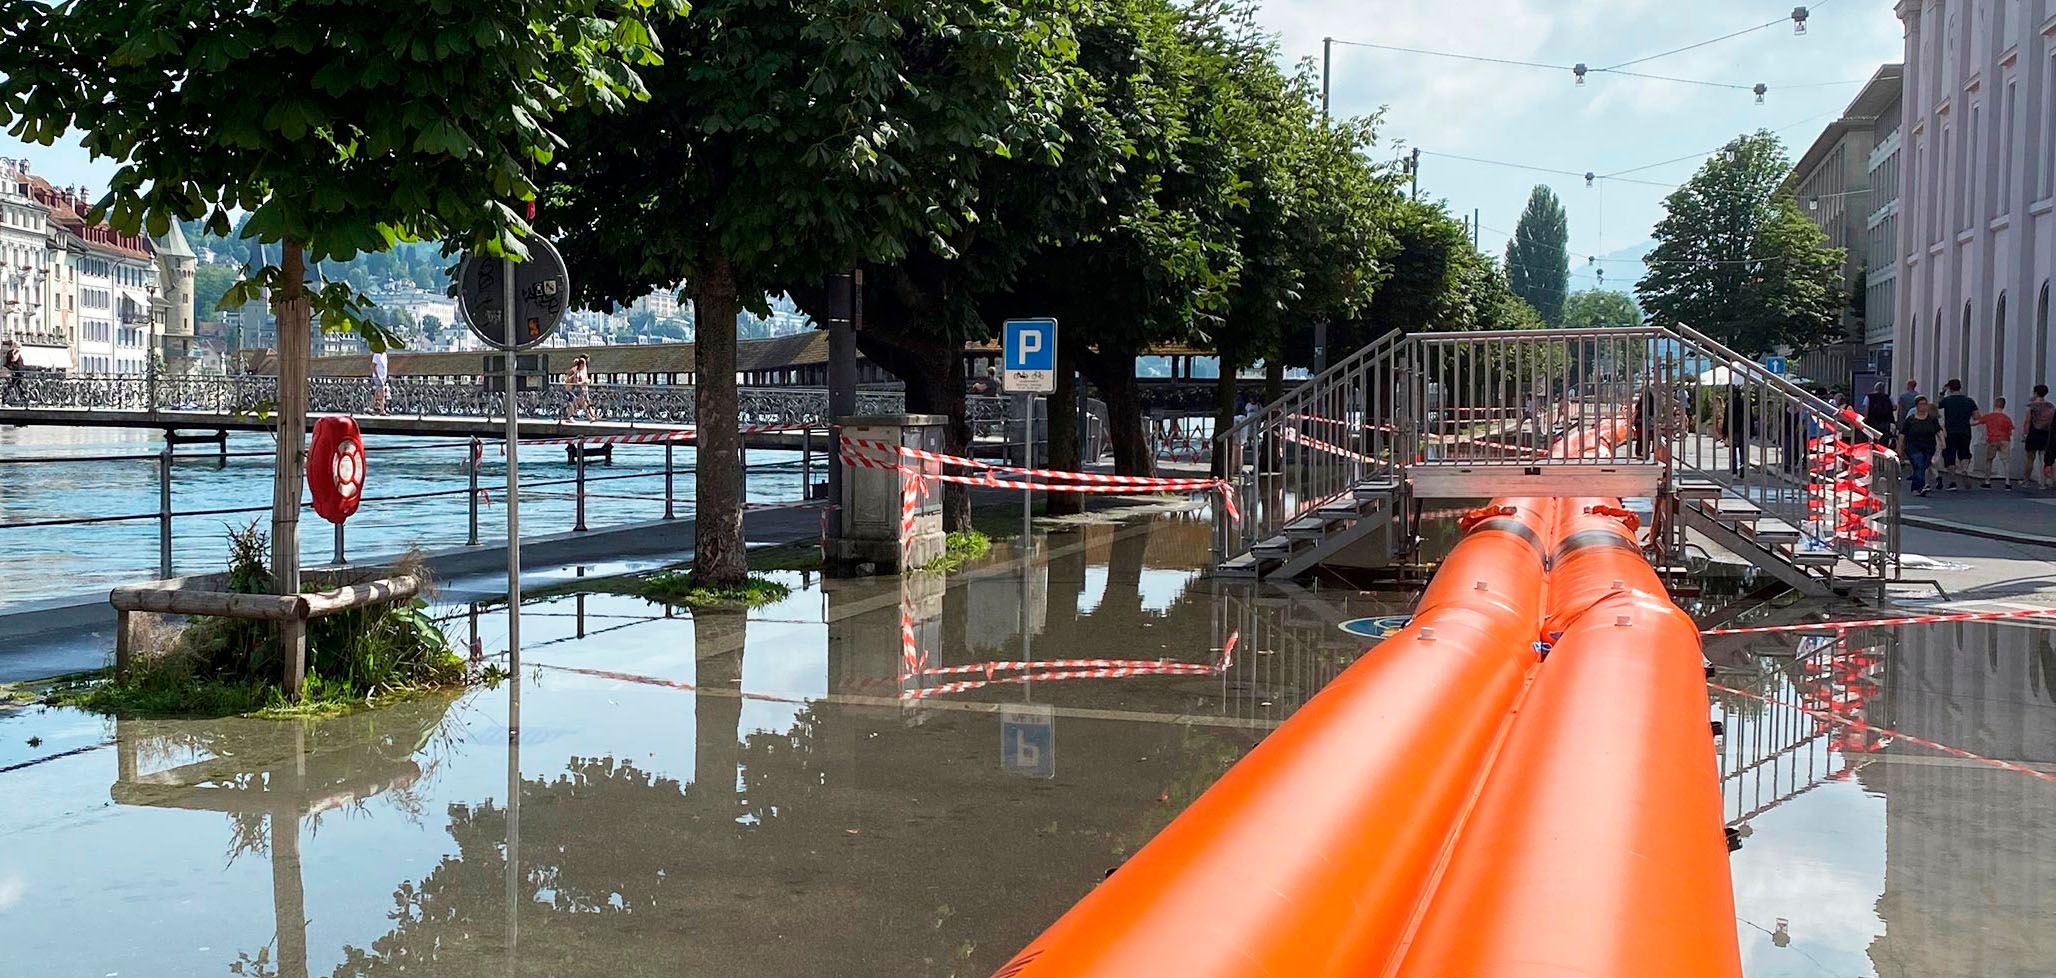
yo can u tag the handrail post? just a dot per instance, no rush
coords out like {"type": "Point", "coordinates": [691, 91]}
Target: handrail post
{"type": "Point", "coordinates": [476, 462]}
{"type": "Point", "coordinates": [669, 513]}
{"type": "Point", "coordinates": [164, 509]}
{"type": "Point", "coordinates": [579, 448]}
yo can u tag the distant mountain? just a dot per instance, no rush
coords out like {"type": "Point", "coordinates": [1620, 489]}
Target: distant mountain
{"type": "Point", "coordinates": [1623, 268]}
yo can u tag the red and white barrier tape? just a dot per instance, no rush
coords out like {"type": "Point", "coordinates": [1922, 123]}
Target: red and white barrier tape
{"type": "Point", "coordinates": [1842, 626]}
{"type": "Point", "coordinates": [1852, 723]}
{"type": "Point", "coordinates": [1055, 480]}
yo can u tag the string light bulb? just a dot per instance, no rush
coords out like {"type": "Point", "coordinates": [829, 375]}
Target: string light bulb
{"type": "Point", "coordinates": [1579, 70]}
{"type": "Point", "coordinates": [1798, 20]}
{"type": "Point", "coordinates": [1759, 90]}
{"type": "Point", "coordinates": [1589, 177]}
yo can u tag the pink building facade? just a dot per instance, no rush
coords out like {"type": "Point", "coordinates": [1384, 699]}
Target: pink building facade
{"type": "Point", "coordinates": [1977, 196]}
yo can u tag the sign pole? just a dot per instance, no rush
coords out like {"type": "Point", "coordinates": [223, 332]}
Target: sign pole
{"type": "Point", "coordinates": [512, 403]}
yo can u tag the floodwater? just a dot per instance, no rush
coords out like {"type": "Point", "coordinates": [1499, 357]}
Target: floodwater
{"type": "Point", "coordinates": [36, 484]}
{"type": "Point", "coordinates": [752, 794]}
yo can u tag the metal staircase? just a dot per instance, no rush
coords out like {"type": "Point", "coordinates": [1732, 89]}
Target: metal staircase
{"type": "Point", "coordinates": [1339, 471]}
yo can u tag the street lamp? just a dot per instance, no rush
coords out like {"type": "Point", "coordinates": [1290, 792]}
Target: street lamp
{"type": "Point", "coordinates": [1798, 20]}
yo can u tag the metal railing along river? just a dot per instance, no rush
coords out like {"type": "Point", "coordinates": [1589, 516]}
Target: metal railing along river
{"type": "Point", "coordinates": [578, 488]}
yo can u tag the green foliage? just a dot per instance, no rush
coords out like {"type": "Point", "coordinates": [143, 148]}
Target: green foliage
{"type": "Point", "coordinates": [344, 128]}
{"type": "Point", "coordinates": [1601, 308]}
{"type": "Point", "coordinates": [963, 547]}
{"type": "Point", "coordinates": [221, 665]}
{"type": "Point", "coordinates": [1740, 264]}
{"type": "Point", "coordinates": [679, 587]}
{"type": "Point", "coordinates": [1538, 264]}
{"type": "Point", "coordinates": [210, 283]}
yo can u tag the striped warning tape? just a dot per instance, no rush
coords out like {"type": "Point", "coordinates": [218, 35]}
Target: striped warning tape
{"type": "Point", "coordinates": [1852, 723]}
{"type": "Point", "coordinates": [1836, 626]}
{"type": "Point", "coordinates": [1053, 480]}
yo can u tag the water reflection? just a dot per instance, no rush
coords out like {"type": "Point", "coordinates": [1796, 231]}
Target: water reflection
{"type": "Point", "coordinates": [1894, 792]}
{"type": "Point", "coordinates": [271, 780]}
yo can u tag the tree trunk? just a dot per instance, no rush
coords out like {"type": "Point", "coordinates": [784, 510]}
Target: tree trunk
{"type": "Point", "coordinates": [1063, 434]}
{"type": "Point", "coordinates": [719, 556]}
{"type": "Point", "coordinates": [1274, 379]}
{"type": "Point", "coordinates": [719, 636]}
{"type": "Point", "coordinates": [293, 324]}
{"type": "Point", "coordinates": [1224, 415]}
{"type": "Point", "coordinates": [1114, 375]}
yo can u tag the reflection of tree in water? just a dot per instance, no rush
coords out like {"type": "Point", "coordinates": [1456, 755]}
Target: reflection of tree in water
{"type": "Point", "coordinates": [914, 860]}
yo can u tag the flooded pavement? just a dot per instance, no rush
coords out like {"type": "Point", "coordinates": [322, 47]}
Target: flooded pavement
{"type": "Point", "coordinates": [898, 778]}
{"type": "Point", "coordinates": [713, 794]}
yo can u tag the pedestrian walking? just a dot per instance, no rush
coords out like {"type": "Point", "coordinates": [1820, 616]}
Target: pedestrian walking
{"type": "Point", "coordinates": [1737, 417]}
{"type": "Point", "coordinates": [1918, 433]}
{"type": "Point", "coordinates": [1907, 397]}
{"type": "Point", "coordinates": [2040, 421]}
{"type": "Point", "coordinates": [578, 383]}
{"type": "Point", "coordinates": [379, 371]}
{"type": "Point", "coordinates": [1995, 456]}
{"type": "Point", "coordinates": [1879, 415]}
{"type": "Point", "coordinates": [1958, 411]}
{"type": "Point", "coordinates": [17, 390]}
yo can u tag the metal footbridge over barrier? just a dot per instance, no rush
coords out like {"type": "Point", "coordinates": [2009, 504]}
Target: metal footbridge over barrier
{"type": "Point", "coordinates": [1340, 472]}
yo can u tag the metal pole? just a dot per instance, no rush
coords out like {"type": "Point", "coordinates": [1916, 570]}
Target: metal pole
{"type": "Point", "coordinates": [512, 405]}
{"type": "Point", "coordinates": [1415, 169]}
{"type": "Point", "coordinates": [164, 509]}
{"type": "Point", "coordinates": [1475, 212]}
{"type": "Point", "coordinates": [1327, 56]}
{"type": "Point", "coordinates": [474, 463]}
{"type": "Point", "coordinates": [806, 464]}
{"type": "Point", "coordinates": [579, 446]}
{"type": "Point", "coordinates": [669, 514]}
{"type": "Point", "coordinates": [842, 383]}
{"type": "Point", "coordinates": [1027, 496]}
{"type": "Point", "coordinates": [340, 559]}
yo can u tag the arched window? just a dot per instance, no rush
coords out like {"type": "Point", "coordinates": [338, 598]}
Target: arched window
{"type": "Point", "coordinates": [2040, 367]}
{"type": "Point", "coordinates": [1998, 386]}
{"type": "Point", "coordinates": [1911, 362]}
{"type": "Point", "coordinates": [1963, 347]}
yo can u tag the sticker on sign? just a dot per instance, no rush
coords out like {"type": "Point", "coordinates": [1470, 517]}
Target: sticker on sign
{"type": "Point", "coordinates": [1028, 356]}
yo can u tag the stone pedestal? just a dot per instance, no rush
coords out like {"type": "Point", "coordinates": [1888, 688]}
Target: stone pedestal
{"type": "Point", "coordinates": [873, 504]}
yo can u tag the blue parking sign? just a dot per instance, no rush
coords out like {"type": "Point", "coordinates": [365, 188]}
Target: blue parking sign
{"type": "Point", "coordinates": [1028, 739]}
{"type": "Point", "coordinates": [1028, 355]}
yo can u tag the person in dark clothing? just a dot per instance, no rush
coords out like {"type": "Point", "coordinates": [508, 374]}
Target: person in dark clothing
{"type": "Point", "coordinates": [1738, 428]}
{"type": "Point", "coordinates": [1917, 437]}
{"type": "Point", "coordinates": [1645, 415]}
{"type": "Point", "coordinates": [1880, 414]}
{"type": "Point", "coordinates": [1958, 411]}
{"type": "Point", "coordinates": [16, 390]}
{"type": "Point", "coordinates": [2040, 421]}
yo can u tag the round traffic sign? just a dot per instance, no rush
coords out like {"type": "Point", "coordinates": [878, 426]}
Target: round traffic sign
{"type": "Point", "coordinates": [542, 290]}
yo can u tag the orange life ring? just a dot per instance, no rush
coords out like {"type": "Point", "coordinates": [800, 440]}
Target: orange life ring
{"type": "Point", "coordinates": [335, 468]}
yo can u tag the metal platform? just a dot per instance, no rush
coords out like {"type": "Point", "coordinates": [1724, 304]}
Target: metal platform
{"type": "Point", "coordinates": [1456, 480]}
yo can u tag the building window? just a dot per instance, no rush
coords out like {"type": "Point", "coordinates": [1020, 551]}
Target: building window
{"type": "Point", "coordinates": [2049, 131]}
{"type": "Point", "coordinates": [2006, 151]}
{"type": "Point", "coordinates": [2041, 364]}
{"type": "Point", "coordinates": [1963, 348]}
{"type": "Point", "coordinates": [1997, 387]}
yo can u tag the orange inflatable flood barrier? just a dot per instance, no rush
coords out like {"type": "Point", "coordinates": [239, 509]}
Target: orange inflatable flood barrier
{"type": "Point", "coordinates": [1597, 844]}
{"type": "Point", "coordinates": [1311, 855]}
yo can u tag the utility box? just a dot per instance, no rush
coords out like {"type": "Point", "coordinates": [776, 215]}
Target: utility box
{"type": "Point", "coordinates": [876, 525]}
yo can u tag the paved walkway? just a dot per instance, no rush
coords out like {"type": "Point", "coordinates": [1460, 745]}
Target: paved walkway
{"type": "Point", "coordinates": [2025, 516]}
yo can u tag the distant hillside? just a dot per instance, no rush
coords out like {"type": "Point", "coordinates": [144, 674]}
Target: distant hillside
{"type": "Point", "coordinates": [1623, 268]}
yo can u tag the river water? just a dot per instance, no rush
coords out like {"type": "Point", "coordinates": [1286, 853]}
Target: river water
{"type": "Point", "coordinates": [50, 561]}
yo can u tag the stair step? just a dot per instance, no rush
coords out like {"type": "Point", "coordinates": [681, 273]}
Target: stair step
{"type": "Point", "coordinates": [1308, 527]}
{"type": "Point", "coordinates": [1809, 558]}
{"type": "Point", "coordinates": [1276, 548]}
{"type": "Point", "coordinates": [1728, 509]}
{"type": "Point", "coordinates": [1244, 565]}
{"type": "Point", "coordinates": [1772, 530]}
{"type": "Point", "coordinates": [1375, 488]}
{"type": "Point", "coordinates": [1695, 489]}
{"type": "Point", "coordinates": [1343, 509]}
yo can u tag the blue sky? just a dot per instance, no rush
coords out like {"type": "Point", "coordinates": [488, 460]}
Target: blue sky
{"type": "Point", "coordinates": [1541, 118]}
{"type": "Point", "coordinates": [1534, 116]}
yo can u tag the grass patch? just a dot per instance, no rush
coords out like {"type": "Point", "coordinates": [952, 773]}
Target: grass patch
{"type": "Point", "coordinates": [964, 546]}
{"type": "Point", "coordinates": [678, 587]}
{"type": "Point", "coordinates": [221, 666]}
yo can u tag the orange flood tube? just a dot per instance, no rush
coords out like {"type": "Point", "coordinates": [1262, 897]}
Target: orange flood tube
{"type": "Point", "coordinates": [1312, 854]}
{"type": "Point", "coordinates": [1596, 847]}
